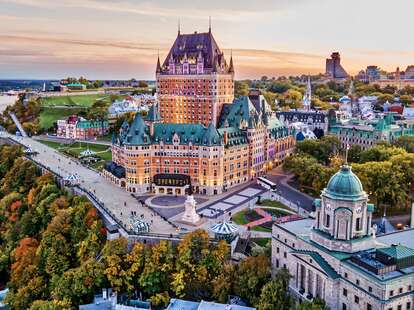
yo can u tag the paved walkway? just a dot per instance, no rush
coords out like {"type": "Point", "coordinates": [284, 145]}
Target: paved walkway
{"type": "Point", "coordinates": [266, 217]}
{"type": "Point", "coordinates": [69, 141]}
{"type": "Point", "coordinates": [120, 202]}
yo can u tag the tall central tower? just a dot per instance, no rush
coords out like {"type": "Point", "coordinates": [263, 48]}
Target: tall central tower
{"type": "Point", "coordinates": [194, 80]}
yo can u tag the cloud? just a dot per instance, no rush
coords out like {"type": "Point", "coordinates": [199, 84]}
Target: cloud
{"type": "Point", "coordinates": [194, 9]}
{"type": "Point", "coordinates": [69, 41]}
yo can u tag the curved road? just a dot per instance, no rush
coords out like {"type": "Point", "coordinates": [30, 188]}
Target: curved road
{"type": "Point", "coordinates": [280, 178]}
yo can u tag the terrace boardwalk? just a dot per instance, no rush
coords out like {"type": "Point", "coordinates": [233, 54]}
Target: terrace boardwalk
{"type": "Point", "coordinates": [119, 202]}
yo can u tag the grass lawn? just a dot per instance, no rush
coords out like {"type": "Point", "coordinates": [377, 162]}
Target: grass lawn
{"type": "Point", "coordinates": [49, 115]}
{"type": "Point", "coordinates": [261, 241]}
{"type": "Point", "coordinates": [261, 228]}
{"type": "Point", "coordinates": [74, 100]}
{"type": "Point", "coordinates": [108, 137]}
{"type": "Point", "coordinates": [276, 213]}
{"type": "Point", "coordinates": [74, 149]}
{"type": "Point", "coordinates": [240, 218]}
{"type": "Point", "coordinates": [273, 203]}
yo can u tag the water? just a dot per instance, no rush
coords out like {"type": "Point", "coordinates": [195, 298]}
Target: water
{"type": "Point", "coordinates": [5, 101]}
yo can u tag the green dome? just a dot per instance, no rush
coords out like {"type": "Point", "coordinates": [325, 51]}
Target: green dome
{"type": "Point", "coordinates": [345, 185]}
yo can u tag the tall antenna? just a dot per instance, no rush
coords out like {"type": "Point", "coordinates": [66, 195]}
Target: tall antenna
{"type": "Point", "coordinates": [179, 26]}
{"type": "Point", "coordinates": [209, 24]}
{"type": "Point", "coordinates": [346, 154]}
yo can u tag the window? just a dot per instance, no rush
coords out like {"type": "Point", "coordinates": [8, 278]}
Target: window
{"type": "Point", "coordinates": [327, 220]}
{"type": "Point", "coordinates": [400, 290]}
{"type": "Point", "coordinates": [345, 292]}
{"type": "Point", "coordinates": [284, 254]}
{"type": "Point", "coordinates": [277, 263]}
{"type": "Point", "coordinates": [370, 289]}
{"type": "Point", "coordinates": [343, 306]}
{"type": "Point", "coordinates": [399, 307]}
{"type": "Point", "coordinates": [409, 287]}
{"type": "Point", "coordinates": [356, 299]}
{"type": "Point", "coordinates": [369, 307]}
{"type": "Point", "coordinates": [408, 306]}
{"type": "Point", "coordinates": [391, 293]}
{"type": "Point", "coordinates": [357, 281]}
{"type": "Point", "coordinates": [346, 275]}
{"type": "Point", "coordinates": [358, 224]}
{"type": "Point", "coordinates": [277, 250]}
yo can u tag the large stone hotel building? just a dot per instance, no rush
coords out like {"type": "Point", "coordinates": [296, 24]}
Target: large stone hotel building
{"type": "Point", "coordinates": [197, 134]}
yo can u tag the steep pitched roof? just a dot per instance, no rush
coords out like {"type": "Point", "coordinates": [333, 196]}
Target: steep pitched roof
{"type": "Point", "coordinates": [138, 133]}
{"type": "Point", "coordinates": [197, 134]}
{"type": "Point", "coordinates": [234, 114]}
{"type": "Point", "coordinates": [191, 45]}
{"type": "Point", "coordinates": [153, 113]}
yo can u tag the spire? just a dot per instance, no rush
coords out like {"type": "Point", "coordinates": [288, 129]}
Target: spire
{"type": "Point", "coordinates": [307, 97]}
{"type": "Point", "coordinates": [158, 70]}
{"type": "Point", "coordinates": [209, 24]}
{"type": "Point", "coordinates": [231, 67]}
{"type": "Point", "coordinates": [179, 27]}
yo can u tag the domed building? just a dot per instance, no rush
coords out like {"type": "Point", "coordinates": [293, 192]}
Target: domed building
{"type": "Point", "coordinates": [343, 215]}
{"type": "Point", "coordinates": [338, 257]}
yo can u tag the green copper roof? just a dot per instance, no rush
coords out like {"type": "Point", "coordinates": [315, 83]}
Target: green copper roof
{"type": "Point", "coordinates": [397, 251]}
{"type": "Point", "coordinates": [235, 136]}
{"type": "Point", "coordinates": [241, 110]}
{"type": "Point", "coordinates": [320, 261]}
{"type": "Point", "coordinates": [344, 185]}
{"type": "Point", "coordinates": [91, 124]}
{"type": "Point", "coordinates": [138, 133]}
{"type": "Point", "coordinates": [197, 134]}
{"type": "Point", "coordinates": [153, 114]}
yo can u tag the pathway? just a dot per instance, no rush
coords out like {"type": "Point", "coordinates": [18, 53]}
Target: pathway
{"type": "Point", "coordinates": [114, 198]}
{"type": "Point", "coordinates": [266, 217]}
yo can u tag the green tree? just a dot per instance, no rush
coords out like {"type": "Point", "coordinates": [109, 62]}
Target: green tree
{"type": "Point", "coordinates": [251, 275]}
{"type": "Point", "coordinates": [159, 264]}
{"type": "Point", "coordinates": [274, 294]}
{"type": "Point", "coordinates": [241, 88]}
{"type": "Point", "coordinates": [405, 142]}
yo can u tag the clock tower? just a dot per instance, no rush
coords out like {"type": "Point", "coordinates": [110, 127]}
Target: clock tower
{"type": "Point", "coordinates": [343, 214]}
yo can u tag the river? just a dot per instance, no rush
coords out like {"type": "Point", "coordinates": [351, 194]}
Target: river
{"type": "Point", "coordinates": [5, 101]}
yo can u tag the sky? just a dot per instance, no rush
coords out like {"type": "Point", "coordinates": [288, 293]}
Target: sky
{"type": "Point", "coordinates": [120, 39]}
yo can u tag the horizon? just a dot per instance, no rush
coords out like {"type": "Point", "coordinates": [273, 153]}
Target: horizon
{"type": "Point", "coordinates": [112, 40]}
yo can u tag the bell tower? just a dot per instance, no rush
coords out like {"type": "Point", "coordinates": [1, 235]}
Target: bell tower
{"type": "Point", "coordinates": [343, 214]}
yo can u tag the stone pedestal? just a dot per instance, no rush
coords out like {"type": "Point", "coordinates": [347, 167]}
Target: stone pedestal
{"type": "Point", "coordinates": [190, 215]}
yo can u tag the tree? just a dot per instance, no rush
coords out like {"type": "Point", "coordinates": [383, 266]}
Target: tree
{"type": "Point", "coordinates": [223, 283]}
{"type": "Point", "coordinates": [354, 153]}
{"type": "Point", "coordinates": [316, 304]}
{"type": "Point", "coordinates": [241, 88]}
{"type": "Point", "coordinates": [380, 153]}
{"type": "Point", "coordinates": [159, 264]}
{"type": "Point", "coordinates": [250, 276]}
{"type": "Point", "coordinates": [274, 294]}
{"type": "Point", "coordinates": [197, 264]}
{"type": "Point", "coordinates": [116, 269]}
{"type": "Point", "coordinates": [142, 84]}
{"type": "Point", "coordinates": [405, 142]}
{"type": "Point", "coordinates": [51, 305]}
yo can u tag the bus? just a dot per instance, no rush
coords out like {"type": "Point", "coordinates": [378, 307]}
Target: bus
{"type": "Point", "coordinates": [269, 185]}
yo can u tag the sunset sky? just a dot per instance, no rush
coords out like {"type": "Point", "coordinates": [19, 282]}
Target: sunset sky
{"type": "Point", "coordinates": [103, 39]}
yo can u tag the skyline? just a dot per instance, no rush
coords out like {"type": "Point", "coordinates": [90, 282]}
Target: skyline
{"type": "Point", "coordinates": [121, 39]}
